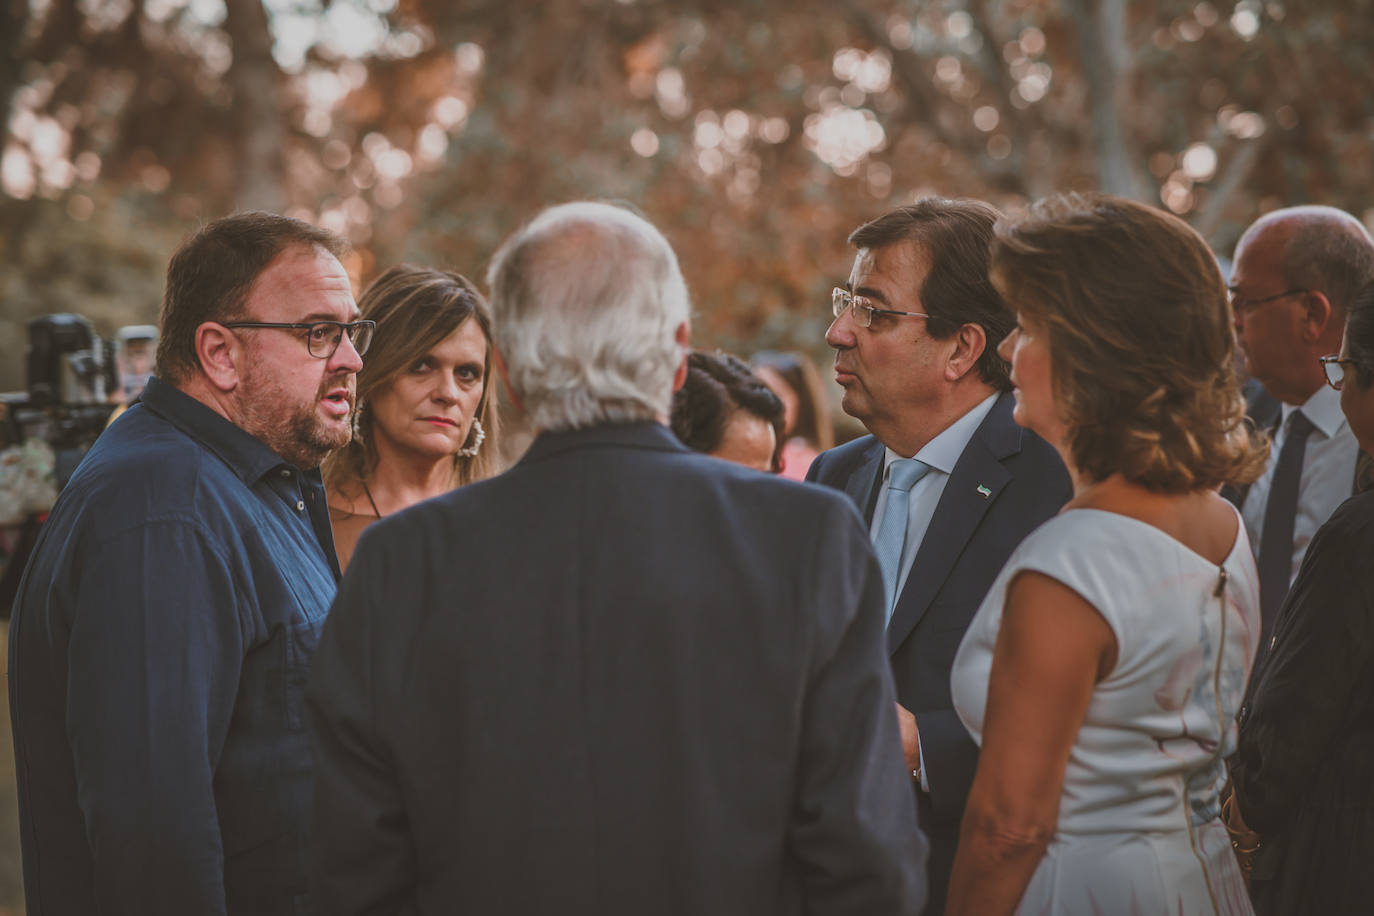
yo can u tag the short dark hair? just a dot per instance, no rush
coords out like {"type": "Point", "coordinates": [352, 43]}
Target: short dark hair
{"type": "Point", "coordinates": [956, 235]}
{"type": "Point", "coordinates": [717, 385]}
{"type": "Point", "coordinates": [1140, 340]}
{"type": "Point", "coordinates": [1359, 333]}
{"type": "Point", "coordinates": [210, 275]}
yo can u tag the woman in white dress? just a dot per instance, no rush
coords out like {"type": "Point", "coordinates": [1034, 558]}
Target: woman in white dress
{"type": "Point", "coordinates": [1103, 672]}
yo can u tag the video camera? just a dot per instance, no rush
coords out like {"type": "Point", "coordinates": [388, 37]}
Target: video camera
{"type": "Point", "coordinates": [75, 381]}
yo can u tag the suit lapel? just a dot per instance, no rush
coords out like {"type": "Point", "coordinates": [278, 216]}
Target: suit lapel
{"type": "Point", "coordinates": [960, 510]}
{"type": "Point", "coordinates": [862, 484]}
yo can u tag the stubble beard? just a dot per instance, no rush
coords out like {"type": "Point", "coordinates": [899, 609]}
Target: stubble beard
{"type": "Point", "coordinates": [292, 429]}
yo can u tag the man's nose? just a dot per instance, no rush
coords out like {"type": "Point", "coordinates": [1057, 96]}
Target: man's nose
{"type": "Point", "coordinates": [840, 334]}
{"type": "Point", "coordinates": [346, 357]}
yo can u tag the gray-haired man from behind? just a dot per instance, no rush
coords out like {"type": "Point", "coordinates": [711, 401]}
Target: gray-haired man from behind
{"type": "Point", "coordinates": [622, 677]}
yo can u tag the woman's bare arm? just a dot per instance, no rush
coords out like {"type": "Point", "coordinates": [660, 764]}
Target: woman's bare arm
{"type": "Point", "coordinates": [1052, 648]}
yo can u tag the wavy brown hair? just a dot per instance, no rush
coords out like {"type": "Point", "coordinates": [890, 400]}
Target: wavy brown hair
{"type": "Point", "coordinates": [415, 309]}
{"type": "Point", "coordinates": [1140, 340]}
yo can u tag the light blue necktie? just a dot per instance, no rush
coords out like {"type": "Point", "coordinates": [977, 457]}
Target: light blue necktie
{"type": "Point", "coordinates": [891, 538]}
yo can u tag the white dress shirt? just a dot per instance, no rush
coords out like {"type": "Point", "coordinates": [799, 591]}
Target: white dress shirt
{"type": "Point", "coordinates": [941, 454]}
{"type": "Point", "coordinates": [1328, 473]}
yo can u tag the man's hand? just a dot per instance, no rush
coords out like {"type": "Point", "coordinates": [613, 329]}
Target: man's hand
{"type": "Point", "coordinates": [911, 738]}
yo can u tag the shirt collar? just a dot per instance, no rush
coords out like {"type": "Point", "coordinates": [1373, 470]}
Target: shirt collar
{"type": "Point", "coordinates": [247, 456]}
{"type": "Point", "coordinates": [1323, 409]}
{"type": "Point", "coordinates": [942, 452]}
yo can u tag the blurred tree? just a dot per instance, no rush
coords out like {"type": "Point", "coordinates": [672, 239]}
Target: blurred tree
{"type": "Point", "coordinates": [14, 20]}
{"type": "Point", "coordinates": [758, 133]}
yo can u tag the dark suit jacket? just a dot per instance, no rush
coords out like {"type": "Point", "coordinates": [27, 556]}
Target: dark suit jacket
{"type": "Point", "coordinates": [970, 537]}
{"type": "Point", "coordinates": [1265, 411]}
{"type": "Point", "coordinates": [1302, 766]}
{"type": "Point", "coordinates": [620, 678]}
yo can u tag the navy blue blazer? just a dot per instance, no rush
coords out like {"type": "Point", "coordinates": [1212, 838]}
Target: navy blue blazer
{"type": "Point", "coordinates": [622, 677]}
{"type": "Point", "coordinates": [1007, 481]}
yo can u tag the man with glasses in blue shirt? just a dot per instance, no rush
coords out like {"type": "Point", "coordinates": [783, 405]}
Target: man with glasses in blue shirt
{"type": "Point", "coordinates": [947, 482]}
{"type": "Point", "coordinates": [165, 624]}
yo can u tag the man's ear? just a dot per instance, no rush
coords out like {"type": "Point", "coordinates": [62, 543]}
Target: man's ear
{"type": "Point", "coordinates": [1317, 313]}
{"type": "Point", "coordinates": [221, 354]}
{"type": "Point", "coordinates": [968, 345]}
{"type": "Point", "coordinates": [500, 363]}
{"type": "Point", "coordinates": [683, 335]}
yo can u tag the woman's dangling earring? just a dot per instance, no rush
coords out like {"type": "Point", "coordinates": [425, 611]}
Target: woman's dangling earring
{"type": "Point", "coordinates": [477, 436]}
{"type": "Point", "coordinates": [357, 424]}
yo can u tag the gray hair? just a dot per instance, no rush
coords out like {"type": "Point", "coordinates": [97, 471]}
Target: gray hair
{"type": "Point", "coordinates": [1329, 250]}
{"type": "Point", "coordinates": [586, 301]}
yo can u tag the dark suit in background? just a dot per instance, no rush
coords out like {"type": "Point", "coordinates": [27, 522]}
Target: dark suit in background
{"type": "Point", "coordinates": [1306, 747]}
{"type": "Point", "coordinates": [970, 537]}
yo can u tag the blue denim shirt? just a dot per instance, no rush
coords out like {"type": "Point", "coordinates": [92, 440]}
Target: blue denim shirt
{"type": "Point", "coordinates": [159, 650]}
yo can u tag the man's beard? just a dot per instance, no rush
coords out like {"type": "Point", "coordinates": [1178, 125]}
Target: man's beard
{"type": "Point", "coordinates": [292, 429]}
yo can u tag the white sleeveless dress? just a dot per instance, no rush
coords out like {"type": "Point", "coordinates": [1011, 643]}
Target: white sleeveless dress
{"type": "Point", "coordinates": [1139, 828]}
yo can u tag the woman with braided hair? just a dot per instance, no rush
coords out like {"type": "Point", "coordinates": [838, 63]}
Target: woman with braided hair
{"type": "Point", "coordinates": [1103, 672]}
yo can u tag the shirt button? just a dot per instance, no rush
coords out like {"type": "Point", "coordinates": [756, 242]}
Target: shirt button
{"type": "Point", "coordinates": [285, 473]}
{"type": "Point", "coordinates": [300, 504]}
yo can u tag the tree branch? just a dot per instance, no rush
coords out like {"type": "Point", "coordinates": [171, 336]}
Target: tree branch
{"type": "Point", "coordinates": [1106, 63]}
{"type": "Point", "coordinates": [257, 108]}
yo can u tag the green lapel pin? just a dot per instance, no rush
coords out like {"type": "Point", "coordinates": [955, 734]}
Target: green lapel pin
{"type": "Point", "coordinates": [984, 491]}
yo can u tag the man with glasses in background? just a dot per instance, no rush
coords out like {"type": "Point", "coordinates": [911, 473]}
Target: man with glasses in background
{"type": "Point", "coordinates": [164, 627]}
{"type": "Point", "coordinates": [1296, 272]}
{"type": "Point", "coordinates": [947, 482]}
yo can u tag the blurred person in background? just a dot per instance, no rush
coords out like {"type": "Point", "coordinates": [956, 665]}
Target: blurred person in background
{"type": "Point", "coordinates": [1296, 272]}
{"type": "Point", "coordinates": [1303, 809]}
{"type": "Point", "coordinates": [727, 411]}
{"type": "Point", "coordinates": [426, 417]}
{"type": "Point", "coordinates": [1104, 670]}
{"type": "Point", "coordinates": [166, 622]}
{"type": "Point", "coordinates": [806, 428]}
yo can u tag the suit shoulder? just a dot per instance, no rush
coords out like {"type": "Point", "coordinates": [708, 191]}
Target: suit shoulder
{"type": "Point", "coordinates": [841, 458]}
{"type": "Point", "coordinates": [1038, 459]}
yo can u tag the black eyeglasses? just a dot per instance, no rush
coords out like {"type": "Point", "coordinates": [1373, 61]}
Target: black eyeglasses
{"type": "Point", "coordinates": [1334, 366]}
{"type": "Point", "coordinates": [322, 337]}
{"type": "Point", "coordinates": [1240, 306]}
{"type": "Point", "coordinates": [842, 300]}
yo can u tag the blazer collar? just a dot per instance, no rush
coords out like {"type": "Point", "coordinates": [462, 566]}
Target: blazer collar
{"type": "Point", "coordinates": [644, 434]}
{"type": "Point", "coordinates": [864, 481]}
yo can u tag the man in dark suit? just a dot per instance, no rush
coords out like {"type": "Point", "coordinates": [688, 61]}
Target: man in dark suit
{"type": "Point", "coordinates": [1296, 271]}
{"type": "Point", "coordinates": [948, 483]}
{"type": "Point", "coordinates": [618, 678]}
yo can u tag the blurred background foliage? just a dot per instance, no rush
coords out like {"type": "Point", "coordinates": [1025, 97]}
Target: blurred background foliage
{"type": "Point", "coordinates": [756, 133]}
